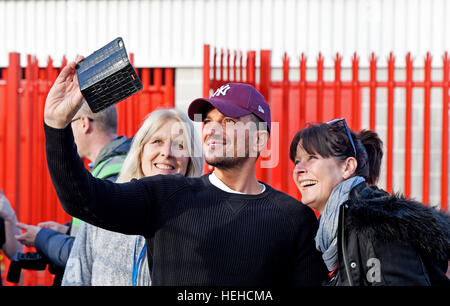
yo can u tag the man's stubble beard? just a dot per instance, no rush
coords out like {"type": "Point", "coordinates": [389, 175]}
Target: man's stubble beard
{"type": "Point", "coordinates": [227, 163]}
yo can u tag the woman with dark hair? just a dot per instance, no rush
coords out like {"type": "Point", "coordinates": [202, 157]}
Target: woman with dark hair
{"type": "Point", "coordinates": [366, 236]}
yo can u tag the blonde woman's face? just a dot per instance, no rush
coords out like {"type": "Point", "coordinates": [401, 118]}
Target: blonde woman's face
{"type": "Point", "coordinates": [165, 152]}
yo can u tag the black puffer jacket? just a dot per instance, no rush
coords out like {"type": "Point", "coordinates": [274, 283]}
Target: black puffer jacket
{"type": "Point", "coordinates": [388, 240]}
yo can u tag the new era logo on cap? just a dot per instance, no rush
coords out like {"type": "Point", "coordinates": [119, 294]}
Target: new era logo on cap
{"type": "Point", "coordinates": [234, 100]}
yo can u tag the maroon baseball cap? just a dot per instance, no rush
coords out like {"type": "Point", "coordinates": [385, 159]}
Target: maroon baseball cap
{"type": "Point", "coordinates": [234, 100]}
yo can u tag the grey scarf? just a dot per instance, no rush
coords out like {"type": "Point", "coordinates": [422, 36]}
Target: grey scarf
{"type": "Point", "coordinates": [326, 238]}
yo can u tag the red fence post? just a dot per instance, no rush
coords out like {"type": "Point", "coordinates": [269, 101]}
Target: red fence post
{"type": "Point", "coordinates": [319, 89]}
{"type": "Point", "coordinates": [241, 68]}
{"type": "Point", "coordinates": [390, 122]}
{"type": "Point", "coordinates": [337, 86]}
{"type": "Point", "coordinates": [3, 119]}
{"type": "Point", "coordinates": [444, 149]}
{"type": "Point", "coordinates": [426, 131]}
{"type": "Point", "coordinates": [228, 66]}
{"type": "Point", "coordinates": [373, 91]}
{"type": "Point", "coordinates": [302, 91]}
{"type": "Point", "coordinates": [355, 125]}
{"type": "Point", "coordinates": [284, 127]}
{"type": "Point", "coordinates": [206, 68]}
{"type": "Point", "coordinates": [221, 64]}
{"type": "Point", "coordinates": [26, 130]}
{"type": "Point", "coordinates": [169, 87]}
{"type": "Point", "coordinates": [264, 88]}
{"type": "Point", "coordinates": [251, 68]}
{"type": "Point", "coordinates": [13, 129]}
{"type": "Point", "coordinates": [408, 125]}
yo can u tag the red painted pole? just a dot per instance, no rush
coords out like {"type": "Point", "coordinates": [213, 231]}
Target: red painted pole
{"type": "Point", "coordinates": [445, 147]}
{"type": "Point", "coordinates": [234, 66]}
{"type": "Point", "coordinates": [241, 68]}
{"type": "Point", "coordinates": [26, 130]}
{"type": "Point", "coordinates": [169, 87]}
{"type": "Point", "coordinates": [52, 203]}
{"type": "Point", "coordinates": [158, 99]}
{"type": "Point", "coordinates": [206, 68]}
{"type": "Point", "coordinates": [390, 123]}
{"type": "Point", "coordinates": [426, 132]}
{"type": "Point", "coordinates": [3, 119]}
{"type": "Point", "coordinates": [228, 66]}
{"type": "Point", "coordinates": [38, 146]}
{"type": "Point", "coordinates": [251, 67]}
{"type": "Point", "coordinates": [284, 127]}
{"type": "Point", "coordinates": [319, 109]}
{"type": "Point", "coordinates": [264, 89]}
{"type": "Point", "coordinates": [408, 124]}
{"type": "Point", "coordinates": [214, 68]}
{"type": "Point", "coordinates": [13, 128]}
{"type": "Point", "coordinates": [302, 92]}
{"type": "Point", "coordinates": [221, 64]}
{"type": "Point", "coordinates": [373, 92]}
{"type": "Point", "coordinates": [265, 74]}
{"type": "Point", "coordinates": [355, 94]}
{"type": "Point", "coordinates": [337, 86]}
{"type": "Point", "coordinates": [37, 128]}
{"type": "Point", "coordinates": [145, 97]}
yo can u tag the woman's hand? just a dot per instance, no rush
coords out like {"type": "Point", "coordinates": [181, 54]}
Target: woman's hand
{"type": "Point", "coordinates": [63, 229]}
{"type": "Point", "coordinates": [64, 98]}
{"type": "Point", "coordinates": [29, 237]}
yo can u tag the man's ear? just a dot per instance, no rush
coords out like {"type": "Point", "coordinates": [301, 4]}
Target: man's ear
{"type": "Point", "coordinates": [86, 124]}
{"type": "Point", "coordinates": [349, 167]}
{"type": "Point", "coordinates": [262, 137]}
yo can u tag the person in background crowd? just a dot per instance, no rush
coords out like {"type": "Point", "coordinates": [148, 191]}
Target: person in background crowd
{"type": "Point", "coordinates": [224, 228]}
{"type": "Point", "coordinates": [8, 229]}
{"type": "Point", "coordinates": [96, 139]}
{"type": "Point", "coordinates": [366, 236]}
{"type": "Point", "coordinates": [103, 258]}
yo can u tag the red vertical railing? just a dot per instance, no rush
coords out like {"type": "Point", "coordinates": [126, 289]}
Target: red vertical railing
{"type": "Point", "coordinates": [337, 86]}
{"type": "Point", "coordinates": [23, 171]}
{"type": "Point", "coordinates": [12, 137]}
{"type": "Point", "coordinates": [320, 100]}
{"type": "Point", "coordinates": [355, 122]}
{"type": "Point", "coordinates": [445, 133]}
{"type": "Point", "coordinates": [426, 131]}
{"type": "Point", "coordinates": [319, 89]}
{"type": "Point", "coordinates": [408, 125]}
{"type": "Point", "coordinates": [373, 92]}
{"type": "Point", "coordinates": [390, 124]}
{"type": "Point", "coordinates": [283, 120]}
{"type": "Point", "coordinates": [264, 88]}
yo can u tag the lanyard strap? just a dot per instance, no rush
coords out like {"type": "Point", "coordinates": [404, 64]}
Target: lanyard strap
{"type": "Point", "coordinates": [136, 264]}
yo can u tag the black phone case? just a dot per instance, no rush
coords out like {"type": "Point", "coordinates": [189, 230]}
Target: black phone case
{"type": "Point", "coordinates": [107, 76]}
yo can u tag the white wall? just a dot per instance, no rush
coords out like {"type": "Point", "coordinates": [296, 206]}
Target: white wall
{"type": "Point", "coordinates": [172, 32]}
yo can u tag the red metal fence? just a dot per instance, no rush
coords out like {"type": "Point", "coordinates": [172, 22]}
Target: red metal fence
{"type": "Point", "coordinates": [23, 170]}
{"type": "Point", "coordinates": [294, 103]}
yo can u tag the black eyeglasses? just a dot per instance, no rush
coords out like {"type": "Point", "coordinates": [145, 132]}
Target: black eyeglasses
{"type": "Point", "coordinates": [73, 120]}
{"type": "Point", "coordinates": [346, 129]}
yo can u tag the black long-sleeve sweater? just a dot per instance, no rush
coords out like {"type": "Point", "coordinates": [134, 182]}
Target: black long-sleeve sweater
{"type": "Point", "coordinates": [200, 235]}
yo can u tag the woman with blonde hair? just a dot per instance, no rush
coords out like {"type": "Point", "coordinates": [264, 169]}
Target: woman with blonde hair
{"type": "Point", "coordinates": [166, 143]}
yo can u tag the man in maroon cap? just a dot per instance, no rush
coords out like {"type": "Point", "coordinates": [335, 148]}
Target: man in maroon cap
{"type": "Point", "coordinates": [225, 228]}
{"type": "Point", "coordinates": [236, 129]}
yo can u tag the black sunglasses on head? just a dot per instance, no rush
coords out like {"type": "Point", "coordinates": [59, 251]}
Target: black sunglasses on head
{"type": "Point", "coordinates": [346, 129]}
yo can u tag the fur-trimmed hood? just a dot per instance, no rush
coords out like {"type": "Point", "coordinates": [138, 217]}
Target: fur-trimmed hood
{"type": "Point", "coordinates": [378, 215]}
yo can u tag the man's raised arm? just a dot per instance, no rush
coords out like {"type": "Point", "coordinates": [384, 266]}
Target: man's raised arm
{"type": "Point", "coordinates": [118, 207]}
